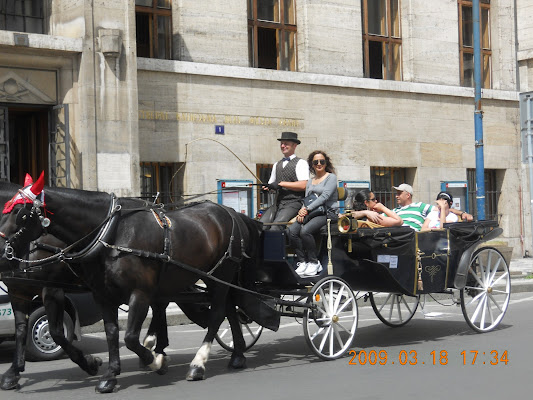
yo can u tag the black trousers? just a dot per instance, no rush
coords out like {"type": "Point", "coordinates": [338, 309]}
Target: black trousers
{"type": "Point", "coordinates": [285, 213]}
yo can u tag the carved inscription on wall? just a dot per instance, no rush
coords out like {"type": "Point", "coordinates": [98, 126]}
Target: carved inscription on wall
{"type": "Point", "coordinates": [222, 119]}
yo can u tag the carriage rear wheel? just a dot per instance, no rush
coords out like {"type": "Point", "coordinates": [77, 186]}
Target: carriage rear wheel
{"type": "Point", "coordinates": [251, 331]}
{"type": "Point", "coordinates": [485, 297]}
{"type": "Point", "coordinates": [394, 310]}
{"type": "Point", "coordinates": [331, 319]}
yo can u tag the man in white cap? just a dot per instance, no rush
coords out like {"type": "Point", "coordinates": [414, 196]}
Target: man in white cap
{"type": "Point", "coordinates": [289, 177]}
{"type": "Point", "coordinates": [414, 214]}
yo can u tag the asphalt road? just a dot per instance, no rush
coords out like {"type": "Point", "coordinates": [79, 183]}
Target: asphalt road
{"type": "Point", "coordinates": [432, 356]}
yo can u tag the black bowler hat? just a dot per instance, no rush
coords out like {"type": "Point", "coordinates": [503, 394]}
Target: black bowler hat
{"type": "Point", "coordinates": [289, 136]}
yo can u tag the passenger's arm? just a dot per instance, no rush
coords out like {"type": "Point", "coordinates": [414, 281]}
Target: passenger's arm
{"type": "Point", "coordinates": [425, 225]}
{"type": "Point", "coordinates": [462, 215]}
{"type": "Point", "coordinates": [390, 218]}
{"type": "Point", "coordinates": [372, 216]}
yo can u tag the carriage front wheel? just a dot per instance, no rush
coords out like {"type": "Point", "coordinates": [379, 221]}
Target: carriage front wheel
{"type": "Point", "coordinates": [251, 332]}
{"type": "Point", "coordinates": [485, 297]}
{"type": "Point", "coordinates": [392, 309]}
{"type": "Point", "coordinates": [330, 320]}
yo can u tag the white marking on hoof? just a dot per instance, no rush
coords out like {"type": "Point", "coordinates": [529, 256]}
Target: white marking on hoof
{"type": "Point", "coordinates": [157, 363]}
{"type": "Point", "coordinates": [150, 342]}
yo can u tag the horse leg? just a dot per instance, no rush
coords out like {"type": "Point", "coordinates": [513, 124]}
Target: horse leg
{"type": "Point", "coordinates": [21, 309]}
{"type": "Point", "coordinates": [158, 327]}
{"type": "Point", "coordinates": [54, 305]}
{"type": "Point", "coordinates": [238, 360]}
{"type": "Point", "coordinates": [108, 381]}
{"type": "Point", "coordinates": [156, 338]}
{"type": "Point", "coordinates": [217, 314]}
{"type": "Point", "coordinates": [138, 309]}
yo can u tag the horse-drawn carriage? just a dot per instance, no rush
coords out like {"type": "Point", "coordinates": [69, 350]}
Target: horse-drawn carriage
{"type": "Point", "coordinates": [145, 256]}
{"type": "Point", "coordinates": [392, 268]}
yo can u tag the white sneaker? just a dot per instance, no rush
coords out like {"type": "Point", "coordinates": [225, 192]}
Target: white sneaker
{"type": "Point", "coordinates": [302, 266]}
{"type": "Point", "coordinates": [313, 269]}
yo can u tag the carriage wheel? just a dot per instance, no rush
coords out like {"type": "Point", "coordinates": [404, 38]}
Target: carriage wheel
{"type": "Point", "coordinates": [397, 309]}
{"type": "Point", "coordinates": [485, 297]}
{"type": "Point", "coordinates": [330, 327]}
{"type": "Point", "coordinates": [250, 330]}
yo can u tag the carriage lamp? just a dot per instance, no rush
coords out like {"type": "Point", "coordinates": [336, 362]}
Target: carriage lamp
{"type": "Point", "coordinates": [347, 224]}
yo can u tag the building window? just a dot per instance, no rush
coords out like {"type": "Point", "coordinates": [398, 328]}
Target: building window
{"type": "Point", "coordinates": [272, 34]}
{"type": "Point", "coordinates": [162, 182]}
{"type": "Point", "coordinates": [21, 15]}
{"type": "Point", "coordinates": [153, 20]}
{"type": "Point", "coordinates": [263, 172]}
{"type": "Point", "coordinates": [466, 43]}
{"type": "Point", "coordinates": [382, 39]}
{"type": "Point", "coordinates": [382, 179]}
{"type": "Point", "coordinates": [492, 194]}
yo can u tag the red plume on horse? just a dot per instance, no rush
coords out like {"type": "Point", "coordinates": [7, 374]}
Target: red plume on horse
{"type": "Point", "coordinates": [28, 194]}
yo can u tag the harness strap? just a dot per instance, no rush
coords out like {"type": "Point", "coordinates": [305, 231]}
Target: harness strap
{"type": "Point", "coordinates": [186, 267]}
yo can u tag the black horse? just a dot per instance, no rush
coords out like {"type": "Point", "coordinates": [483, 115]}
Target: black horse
{"type": "Point", "coordinates": [21, 295]}
{"type": "Point", "coordinates": [140, 262]}
{"type": "Point", "coordinates": [25, 287]}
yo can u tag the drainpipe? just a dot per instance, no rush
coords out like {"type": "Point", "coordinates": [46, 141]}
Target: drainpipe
{"type": "Point", "coordinates": [529, 153]}
{"type": "Point", "coordinates": [478, 116]}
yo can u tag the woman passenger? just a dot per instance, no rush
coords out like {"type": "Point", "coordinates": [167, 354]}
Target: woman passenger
{"type": "Point", "coordinates": [323, 183]}
{"type": "Point", "coordinates": [366, 205]}
{"type": "Point", "coordinates": [440, 214]}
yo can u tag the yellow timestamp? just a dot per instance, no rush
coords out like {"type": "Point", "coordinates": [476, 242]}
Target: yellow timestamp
{"type": "Point", "coordinates": [435, 357]}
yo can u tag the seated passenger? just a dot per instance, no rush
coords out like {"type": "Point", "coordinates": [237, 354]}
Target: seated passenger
{"type": "Point", "coordinates": [366, 206]}
{"type": "Point", "coordinates": [441, 213]}
{"type": "Point", "coordinates": [323, 183]}
{"type": "Point", "coordinates": [414, 214]}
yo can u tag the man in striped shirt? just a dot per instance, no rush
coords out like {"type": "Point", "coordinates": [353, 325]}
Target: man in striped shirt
{"type": "Point", "coordinates": [414, 214]}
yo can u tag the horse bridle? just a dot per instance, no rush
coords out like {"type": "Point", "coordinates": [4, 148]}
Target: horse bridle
{"type": "Point", "coordinates": [103, 229]}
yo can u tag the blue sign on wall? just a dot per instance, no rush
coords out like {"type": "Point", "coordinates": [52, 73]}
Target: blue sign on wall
{"type": "Point", "coordinates": [219, 129]}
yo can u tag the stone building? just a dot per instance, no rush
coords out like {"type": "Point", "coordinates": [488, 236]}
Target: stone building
{"type": "Point", "coordinates": [138, 97]}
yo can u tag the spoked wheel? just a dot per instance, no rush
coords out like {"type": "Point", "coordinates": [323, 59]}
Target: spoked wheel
{"type": "Point", "coordinates": [250, 330]}
{"type": "Point", "coordinates": [329, 327]}
{"type": "Point", "coordinates": [485, 297]}
{"type": "Point", "coordinates": [396, 310]}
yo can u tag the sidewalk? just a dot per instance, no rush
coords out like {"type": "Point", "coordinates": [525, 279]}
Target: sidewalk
{"type": "Point", "coordinates": [519, 269]}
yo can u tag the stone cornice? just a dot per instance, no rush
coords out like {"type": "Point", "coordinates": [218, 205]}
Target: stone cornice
{"type": "Point", "coordinates": [305, 78]}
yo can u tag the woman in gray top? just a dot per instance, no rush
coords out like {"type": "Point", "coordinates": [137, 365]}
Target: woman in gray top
{"type": "Point", "coordinates": [323, 183]}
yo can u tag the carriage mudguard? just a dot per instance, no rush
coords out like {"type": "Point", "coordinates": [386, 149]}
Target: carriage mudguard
{"type": "Point", "coordinates": [464, 262]}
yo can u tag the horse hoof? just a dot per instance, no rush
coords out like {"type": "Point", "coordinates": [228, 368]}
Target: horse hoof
{"type": "Point", "coordinates": [150, 342]}
{"type": "Point", "coordinates": [93, 364]}
{"type": "Point", "coordinates": [195, 374]}
{"type": "Point", "coordinates": [10, 382]}
{"type": "Point", "coordinates": [237, 362]}
{"type": "Point", "coordinates": [107, 386]}
{"type": "Point", "coordinates": [164, 366]}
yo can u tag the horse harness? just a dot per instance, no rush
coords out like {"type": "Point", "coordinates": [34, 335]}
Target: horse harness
{"type": "Point", "coordinates": [105, 230]}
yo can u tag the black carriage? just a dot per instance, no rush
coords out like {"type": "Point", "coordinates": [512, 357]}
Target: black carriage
{"type": "Point", "coordinates": [393, 267]}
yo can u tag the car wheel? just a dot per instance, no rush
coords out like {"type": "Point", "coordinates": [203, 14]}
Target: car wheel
{"type": "Point", "coordinates": [39, 345]}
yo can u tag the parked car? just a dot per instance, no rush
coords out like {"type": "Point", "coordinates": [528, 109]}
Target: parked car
{"type": "Point", "coordinates": [80, 310]}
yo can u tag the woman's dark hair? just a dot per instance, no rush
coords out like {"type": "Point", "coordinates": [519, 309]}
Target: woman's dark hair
{"type": "Point", "coordinates": [360, 198]}
{"type": "Point", "coordinates": [329, 165]}
{"type": "Point", "coordinates": [446, 196]}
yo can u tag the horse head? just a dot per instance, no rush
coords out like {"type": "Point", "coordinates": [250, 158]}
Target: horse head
{"type": "Point", "coordinates": [22, 219]}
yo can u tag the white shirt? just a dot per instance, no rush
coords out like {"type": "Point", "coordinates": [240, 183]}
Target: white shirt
{"type": "Point", "coordinates": [434, 217]}
{"type": "Point", "coordinates": [302, 170]}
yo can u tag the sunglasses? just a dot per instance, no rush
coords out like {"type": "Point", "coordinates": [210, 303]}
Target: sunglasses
{"type": "Point", "coordinates": [321, 162]}
{"type": "Point", "coordinates": [374, 199]}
